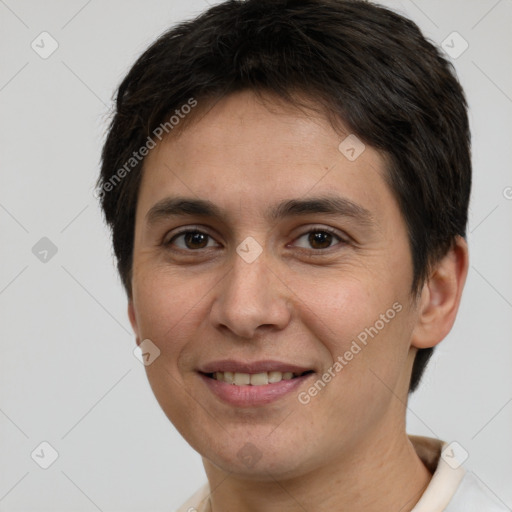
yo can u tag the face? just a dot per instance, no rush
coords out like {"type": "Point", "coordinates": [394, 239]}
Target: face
{"type": "Point", "coordinates": [289, 262]}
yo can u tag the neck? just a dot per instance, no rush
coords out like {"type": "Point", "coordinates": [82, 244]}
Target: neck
{"type": "Point", "coordinates": [381, 474]}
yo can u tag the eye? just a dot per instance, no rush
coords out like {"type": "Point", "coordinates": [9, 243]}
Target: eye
{"type": "Point", "coordinates": [190, 240]}
{"type": "Point", "coordinates": [319, 238]}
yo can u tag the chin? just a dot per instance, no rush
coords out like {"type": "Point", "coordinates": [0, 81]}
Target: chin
{"type": "Point", "coordinates": [254, 457]}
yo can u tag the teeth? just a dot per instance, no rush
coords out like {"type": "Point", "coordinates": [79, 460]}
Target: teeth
{"type": "Point", "coordinates": [259, 379]}
{"type": "Point", "coordinates": [275, 376]}
{"type": "Point", "coordinates": [253, 379]}
{"type": "Point", "coordinates": [241, 379]}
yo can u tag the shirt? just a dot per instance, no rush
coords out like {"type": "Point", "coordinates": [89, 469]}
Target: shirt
{"type": "Point", "coordinates": [451, 489]}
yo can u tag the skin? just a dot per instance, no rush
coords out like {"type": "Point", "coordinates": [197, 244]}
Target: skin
{"type": "Point", "coordinates": [347, 449]}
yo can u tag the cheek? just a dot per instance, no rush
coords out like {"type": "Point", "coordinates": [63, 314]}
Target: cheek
{"type": "Point", "coordinates": [361, 325]}
{"type": "Point", "coordinates": [168, 305]}
{"type": "Point", "coordinates": [168, 308]}
{"type": "Point", "coordinates": [341, 306]}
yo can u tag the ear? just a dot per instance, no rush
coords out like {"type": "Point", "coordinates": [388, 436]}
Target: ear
{"type": "Point", "coordinates": [440, 297]}
{"type": "Point", "coordinates": [133, 320]}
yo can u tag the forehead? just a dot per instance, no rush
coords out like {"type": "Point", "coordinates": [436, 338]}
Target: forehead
{"type": "Point", "coordinates": [242, 151]}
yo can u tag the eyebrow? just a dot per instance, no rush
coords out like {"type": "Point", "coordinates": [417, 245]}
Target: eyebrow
{"type": "Point", "coordinates": [331, 205]}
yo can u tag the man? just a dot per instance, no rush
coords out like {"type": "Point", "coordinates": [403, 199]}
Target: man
{"type": "Point", "coordinates": [287, 184]}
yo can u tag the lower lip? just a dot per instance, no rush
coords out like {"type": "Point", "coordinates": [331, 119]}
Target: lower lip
{"type": "Point", "coordinates": [250, 396]}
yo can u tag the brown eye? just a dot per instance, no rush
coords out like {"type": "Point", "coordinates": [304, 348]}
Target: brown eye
{"type": "Point", "coordinates": [190, 240]}
{"type": "Point", "coordinates": [319, 239]}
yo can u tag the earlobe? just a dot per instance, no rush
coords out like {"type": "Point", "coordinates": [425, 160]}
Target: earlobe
{"type": "Point", "coordinates": [440, 297]}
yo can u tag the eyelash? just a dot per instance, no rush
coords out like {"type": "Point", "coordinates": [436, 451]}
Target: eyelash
{"type": "Point", "coordinates": [341, 240]}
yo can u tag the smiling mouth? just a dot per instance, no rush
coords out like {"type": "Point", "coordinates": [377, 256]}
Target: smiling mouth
{"type": "Point", "coordinates": [254, 379]}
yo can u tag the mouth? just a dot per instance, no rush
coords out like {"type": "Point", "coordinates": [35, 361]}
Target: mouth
{"type": "Point", "coordinates": [253, 384]}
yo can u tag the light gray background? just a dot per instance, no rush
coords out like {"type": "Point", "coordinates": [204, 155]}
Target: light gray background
{"type": "Point", "coordinates": [68, 375]}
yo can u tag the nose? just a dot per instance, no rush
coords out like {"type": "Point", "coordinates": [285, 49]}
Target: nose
{"type": "Point", "coordinates": [251, 298]}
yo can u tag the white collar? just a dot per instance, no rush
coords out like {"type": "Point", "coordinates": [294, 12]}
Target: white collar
{"type": "Point", "coordinates": [445, 479]}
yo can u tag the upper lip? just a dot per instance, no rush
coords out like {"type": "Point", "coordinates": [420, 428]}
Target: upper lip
{"type": "Point", "coordinates": [230, 365]}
